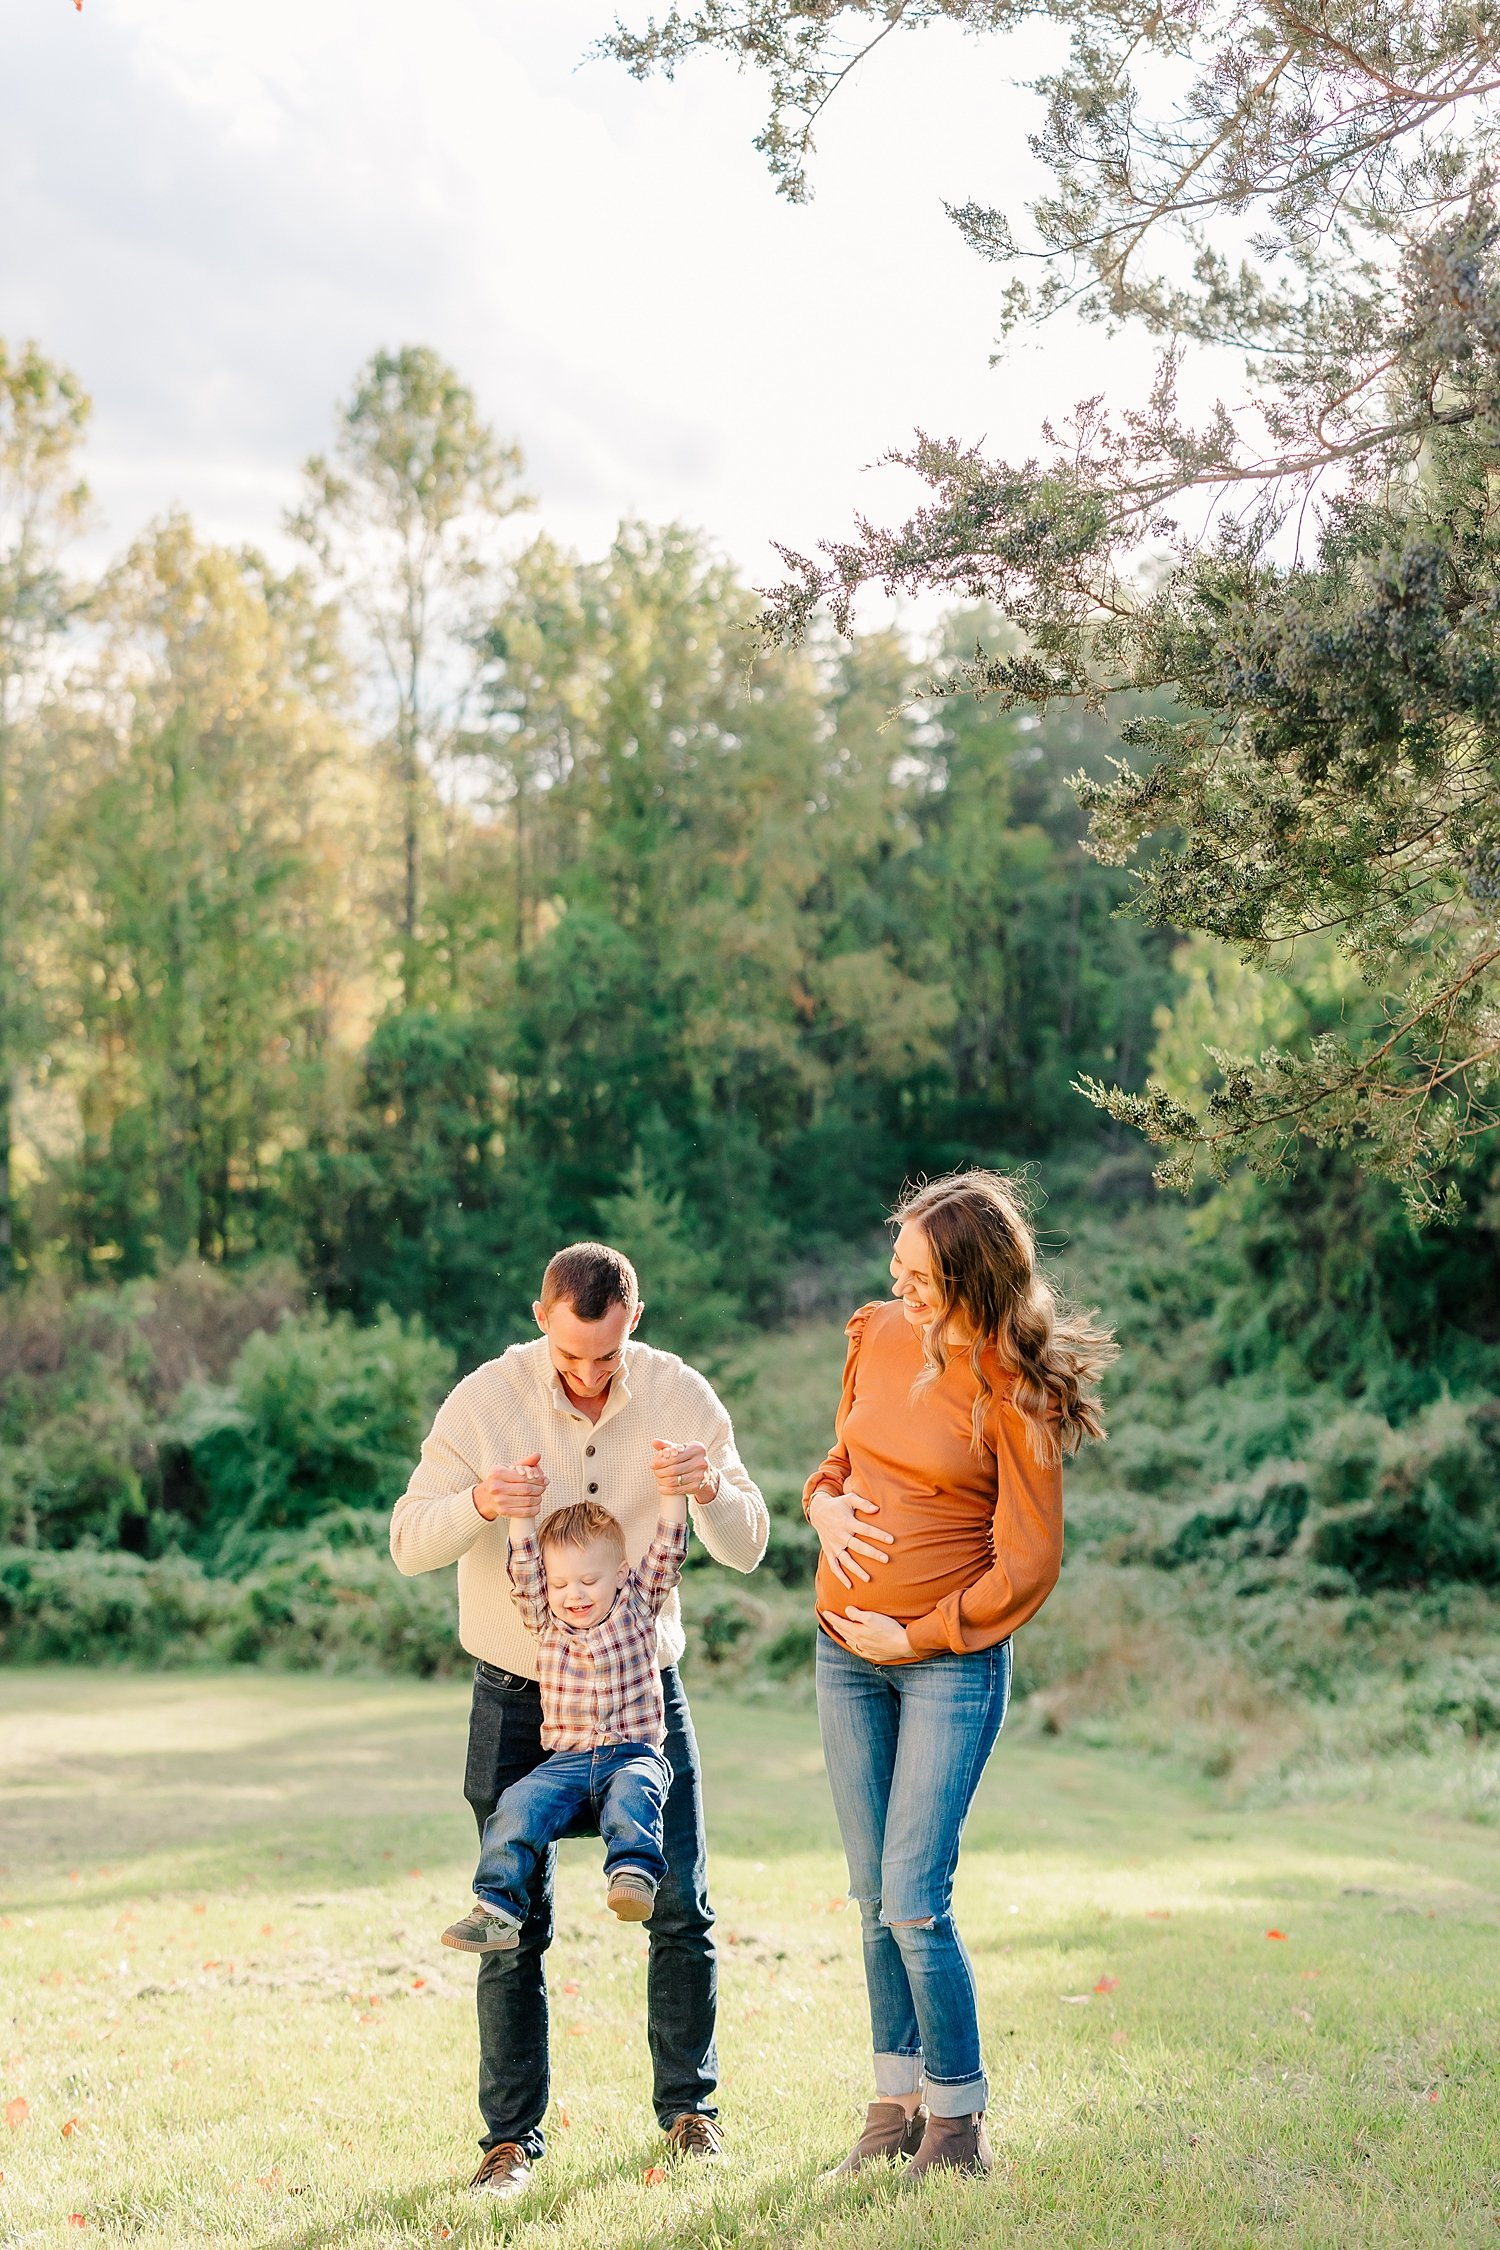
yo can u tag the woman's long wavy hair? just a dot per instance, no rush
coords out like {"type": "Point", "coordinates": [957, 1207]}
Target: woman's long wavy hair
{"type": "Point", "coordinates": [984, 1262]}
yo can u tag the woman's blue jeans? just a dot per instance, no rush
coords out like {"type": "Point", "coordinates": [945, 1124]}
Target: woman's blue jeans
{"type": "Point", "coordinates": [905, 1745]}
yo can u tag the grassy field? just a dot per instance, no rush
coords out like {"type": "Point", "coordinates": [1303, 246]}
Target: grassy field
{"type": "Point", "coordinates": [229, 2020]}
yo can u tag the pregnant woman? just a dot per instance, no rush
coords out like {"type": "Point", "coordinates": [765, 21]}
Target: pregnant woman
{"type": "Point", "coordinates": [943, 1496]}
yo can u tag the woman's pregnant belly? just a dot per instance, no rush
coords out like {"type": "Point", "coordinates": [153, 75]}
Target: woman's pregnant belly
{"type": "Point", "coordinates": [928, 1562]}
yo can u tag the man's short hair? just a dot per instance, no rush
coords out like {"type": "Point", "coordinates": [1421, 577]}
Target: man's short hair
{"type": "Point", "coordinates": [590, 1277]}
{"type": "Point", "coordinates": [579, 1525]}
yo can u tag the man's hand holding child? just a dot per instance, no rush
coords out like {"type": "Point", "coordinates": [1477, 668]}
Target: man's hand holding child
{"type": "Point", "coordinates": [515, 1491]}
{"type": "Point", "coordinates": [682, 1473]}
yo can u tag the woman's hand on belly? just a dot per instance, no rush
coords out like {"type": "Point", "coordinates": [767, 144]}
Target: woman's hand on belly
{"type": "Point", "coordinates": [880, 1640]}
{"type": "Point", "coordinates": [835, 1517]}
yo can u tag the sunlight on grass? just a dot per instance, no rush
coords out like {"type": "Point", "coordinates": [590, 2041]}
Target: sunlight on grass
{"type": "Point", "coordinates": [230, 2020]}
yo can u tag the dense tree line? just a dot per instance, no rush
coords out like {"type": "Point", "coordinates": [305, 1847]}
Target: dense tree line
{"type": "Point", "coordinates": [447, 893]}
{"type": "Point", "coordinates": [1304, 578]}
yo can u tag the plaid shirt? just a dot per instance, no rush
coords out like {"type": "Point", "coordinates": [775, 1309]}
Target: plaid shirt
{"type": "Point", "coordinates": [600, 1683]}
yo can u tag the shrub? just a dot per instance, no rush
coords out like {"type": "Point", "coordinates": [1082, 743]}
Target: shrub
{"type": "Point", "coordinates": [334, 1606]}
{"type": "Point", "coordinates": [320, 1412]}
{"type": "Point", "coordinates": [792, 1651]}
{"type": "Point", "coordinates": [86, 1607]}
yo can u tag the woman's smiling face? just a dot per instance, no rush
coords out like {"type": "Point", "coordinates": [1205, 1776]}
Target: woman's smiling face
{"type": "Point", "coordinates": [912, 1276]}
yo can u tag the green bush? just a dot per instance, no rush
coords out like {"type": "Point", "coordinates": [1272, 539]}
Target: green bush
{"type": "Point", "coordinates": [335, 1605]}
{"type": "Point", "coordinates": [86, 1607]}
{"type": "Point", "coordinates": [319, 1413]}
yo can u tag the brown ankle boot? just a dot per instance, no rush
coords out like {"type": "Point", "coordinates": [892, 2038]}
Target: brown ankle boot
{"type": "Point", "coordinates": [953, 2144]}
{"type": "Point", "coordinates": [889, 2136]}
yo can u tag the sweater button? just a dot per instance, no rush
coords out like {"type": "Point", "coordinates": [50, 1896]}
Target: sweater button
{"type": "Point", "coordinates": [593, 1488]}
{"type": "Point", "coordinates": [589, 1452]}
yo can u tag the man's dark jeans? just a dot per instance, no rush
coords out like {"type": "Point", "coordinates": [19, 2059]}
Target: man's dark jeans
{"type": "Point", "coordinates": [682, 1977]}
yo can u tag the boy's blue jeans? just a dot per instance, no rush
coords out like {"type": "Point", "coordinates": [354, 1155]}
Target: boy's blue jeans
{"type": "Point", "coordinates": [622, 1786]}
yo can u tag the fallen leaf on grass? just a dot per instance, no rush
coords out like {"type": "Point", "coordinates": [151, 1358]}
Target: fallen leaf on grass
{"type": "Point", "coordinates": [443, 2234]}
{"type": "Point", "coordinates": [417, 1983]}
{"type": "Point", "coordinates": [563, 2118]}
{"type": "Point", "coordinates": [1279, 1935]}
{"type": "Point", "coordinates": [1158, 1914]}
{"type": "Point", "coordinates": [656, 2177]}
{"type": "Point", "coordinates": [271, 2179]}
{"type": "Point", "coordinates": [1108, 1984]}
{"type": "Point", "coordinates": [572, 1987]}
{"type": "Point", "coordinates": [17, 2111]}
{"type": "Point", "coordinates": [576, 2030]}
{"type": "Point", "coordinates": [366, 2017]}
{"type": "Point", "coordinates": [1432, 2097]}
{"type": "Point", "coordinates": [200, 1909]}
{"type": "Point", "coordinates": [77, 2219]}
{"type": "Point", "coordinates": [70, 2128]}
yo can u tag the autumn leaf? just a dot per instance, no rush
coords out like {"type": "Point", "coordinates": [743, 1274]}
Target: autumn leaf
{"type": "Point", "coordinates": [1108, 1984]}
{"type": "Point", "coordinates": [76, 2218]}
{"type": "Point", "coordinates": [1279, 1935]}
{"type": "Point", "coordinates": [572, 1987]}
{"type": "Point", "coordinates": [563, 2118]}
{"type": "Point", "coordinates": [70, 2128]}
{"type": "Point", "coordinates": [443, 2234]}
{"type": "Point", "coordinates": [656, 2177]}
{"type": "Point", "coordinates": [417, 1983]}
{"type": "Point", "coordinates": [17, 2111]}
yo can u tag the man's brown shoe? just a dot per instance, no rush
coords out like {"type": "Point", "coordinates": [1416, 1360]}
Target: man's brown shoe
{"type": "Point", "coordinates": [889, 2137]}
{"type": "Point", "coordinates": [505, 2172]}
{"type": "Point", "coordinates": [953, 2144]}
{"type": "Point", "coordinates": [693, 2134]}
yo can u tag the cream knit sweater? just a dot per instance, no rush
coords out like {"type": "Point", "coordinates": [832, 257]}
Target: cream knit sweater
{"type": "Point", "coordinates": [515, 1405]}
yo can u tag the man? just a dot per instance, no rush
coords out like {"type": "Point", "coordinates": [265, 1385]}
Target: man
{"type": "Point", "coordinates": [581, 1413]}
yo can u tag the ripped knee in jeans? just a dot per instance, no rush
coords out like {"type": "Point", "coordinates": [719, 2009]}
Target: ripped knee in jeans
{"type": "Point", "coordinates": [874, 1915]}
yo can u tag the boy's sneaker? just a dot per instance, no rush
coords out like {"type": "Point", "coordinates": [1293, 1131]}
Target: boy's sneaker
{"type": "Point", "coordinates": [480, 1931]}
{"type": "Point", "coordinates": [631, 1896]}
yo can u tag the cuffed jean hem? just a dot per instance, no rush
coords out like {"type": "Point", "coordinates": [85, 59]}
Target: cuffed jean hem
{"type": "Point", "coordinates": [503, 1909]}
{"type": "Point", "coordinates": [898, 2075]}
{"type": "Point", "coordinates": [965, 2097]}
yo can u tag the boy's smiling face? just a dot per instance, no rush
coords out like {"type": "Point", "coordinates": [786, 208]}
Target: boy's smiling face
{"type": "Point", "coordinates": [582, 1582]}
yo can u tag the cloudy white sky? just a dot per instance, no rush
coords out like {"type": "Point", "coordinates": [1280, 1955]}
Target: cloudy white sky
{"type": "Point", "coordinates": [215, 209]}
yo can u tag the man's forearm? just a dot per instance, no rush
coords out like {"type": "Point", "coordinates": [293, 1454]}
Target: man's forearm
{"type": "Point", "coordinates": [735, 1524]}
{"type": "Point", "coordinates": [429, 1530]}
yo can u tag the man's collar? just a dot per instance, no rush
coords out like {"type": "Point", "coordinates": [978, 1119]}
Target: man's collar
{"type": "Point", "coordinates": [617, 1396]}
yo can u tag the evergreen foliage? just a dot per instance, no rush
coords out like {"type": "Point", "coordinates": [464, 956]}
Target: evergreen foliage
{"type": "Point", "coordinates": [1314, 189]}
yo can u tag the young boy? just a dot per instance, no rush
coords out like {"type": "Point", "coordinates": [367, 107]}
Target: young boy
{"type": "Point", "coordinates": [602, 1719]}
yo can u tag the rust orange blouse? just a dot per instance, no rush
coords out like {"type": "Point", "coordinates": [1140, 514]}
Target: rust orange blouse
{"type": "Point", "coordinates": [978, 1535]}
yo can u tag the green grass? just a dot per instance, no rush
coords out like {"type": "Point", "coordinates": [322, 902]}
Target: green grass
{"type": "Point", "coordinates": [220, 1923]}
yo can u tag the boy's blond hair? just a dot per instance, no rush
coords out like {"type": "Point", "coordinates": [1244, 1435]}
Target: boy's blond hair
{"type": "Point", "coordinates": [579, 1525]}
